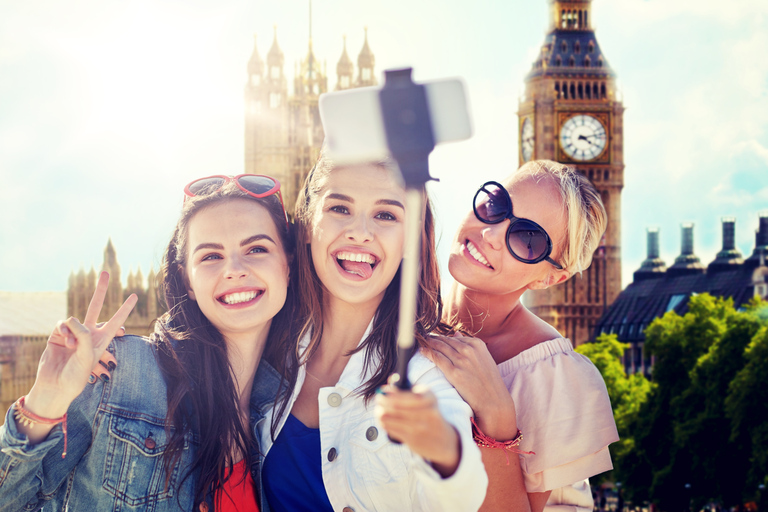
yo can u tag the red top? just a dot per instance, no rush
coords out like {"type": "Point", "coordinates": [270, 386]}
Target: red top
{"type": "Point", "coordinates": [238, 494]}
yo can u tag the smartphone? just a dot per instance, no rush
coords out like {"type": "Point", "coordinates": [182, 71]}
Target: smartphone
{"type": "Point", "coordinates": [354, 127]}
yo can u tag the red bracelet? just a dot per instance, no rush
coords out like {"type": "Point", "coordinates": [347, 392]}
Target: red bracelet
{"type": "Point", "coordinates": [30, 419]}
{"type": "Point", "coordinates": [488, 442]}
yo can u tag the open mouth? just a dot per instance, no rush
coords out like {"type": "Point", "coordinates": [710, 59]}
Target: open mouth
{"type": "Point", "coordinates": [475, 253]}
{"type": "Point", "coordinates": [357, 263]}
{"type": "Point", "coordinates": [240, 297]}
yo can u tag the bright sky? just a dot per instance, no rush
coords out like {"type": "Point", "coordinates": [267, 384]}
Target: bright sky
{"type": "Point", "coordinates": [108, 108]}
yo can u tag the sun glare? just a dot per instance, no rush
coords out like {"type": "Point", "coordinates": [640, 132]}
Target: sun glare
{"type": "Point", "coordinates": [149, 74]}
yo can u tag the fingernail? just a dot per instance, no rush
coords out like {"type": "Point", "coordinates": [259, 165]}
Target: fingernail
{"type": "Point", "coordinates": [111, 365]}
{"type": "Point", "coordinates": [105, 377]}
{"type": "Point", "coordinates": [102, 363]}
{"type": "Point", "coordinates": [91, 378]}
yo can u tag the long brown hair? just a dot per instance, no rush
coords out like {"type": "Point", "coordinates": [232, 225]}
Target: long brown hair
{"type": "Point", "coordinates": [192, 356]}
{"type": "Point", "coordinates": [380, 346]}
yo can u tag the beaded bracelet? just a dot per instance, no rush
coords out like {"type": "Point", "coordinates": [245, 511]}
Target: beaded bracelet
{"type": "Point", "coordinates": [486, 441]}
{"type": "Point", "coordinates": [27, 418]}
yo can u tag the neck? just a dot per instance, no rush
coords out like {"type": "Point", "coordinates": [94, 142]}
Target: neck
{"type": "Point", "coordinates": [480, 313]}
{"type": "Point", "coordinates": [492, 318]}
{"type": "Point", "coordinates": [343, 327]}
{"type": "Point", "coordinates": [244, 352]}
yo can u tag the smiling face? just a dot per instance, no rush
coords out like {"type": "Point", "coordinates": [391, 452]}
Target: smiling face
{"type": "Point", "coordinates": [236, 267]}
{"type": "Point", "coordinates": [479, 256]}
{"type": "Point", "coordinates": [357, 233]}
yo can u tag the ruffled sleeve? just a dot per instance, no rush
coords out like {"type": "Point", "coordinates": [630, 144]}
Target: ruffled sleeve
{"type": "Point", "coordinates": [564, 413]}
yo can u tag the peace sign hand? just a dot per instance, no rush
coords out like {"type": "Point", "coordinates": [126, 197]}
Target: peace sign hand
{"type": "Point", "coordinates": [73, 349]}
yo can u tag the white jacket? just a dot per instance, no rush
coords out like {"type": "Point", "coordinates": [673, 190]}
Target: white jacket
{"type": "Point", "coordinates": [369, 472]}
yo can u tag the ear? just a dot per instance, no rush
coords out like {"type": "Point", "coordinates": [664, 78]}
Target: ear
{"type": "Point", "coordinates": [553, 278]}
{"type": "Point", "coordinates": [190, 291]}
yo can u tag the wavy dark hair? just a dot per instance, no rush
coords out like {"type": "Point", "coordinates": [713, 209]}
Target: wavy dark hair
{"type": "Point", "coordinates": [381, 344]}
{"type": "Point", "coordinates": [192, 356]}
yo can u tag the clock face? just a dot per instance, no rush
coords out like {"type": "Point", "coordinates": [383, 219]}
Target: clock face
{"type": "Point", "coordinates": [582, 137]}
{"type": "Point", "coordinates": [527, 139]}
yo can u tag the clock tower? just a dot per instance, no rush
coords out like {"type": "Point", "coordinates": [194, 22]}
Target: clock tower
{"type": "Point", "coordinates": [571, 113]}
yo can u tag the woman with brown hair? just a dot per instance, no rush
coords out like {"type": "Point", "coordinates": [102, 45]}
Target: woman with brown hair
{"type": "Point", "coordinates": [325, 449]}
{"type": "Point", "coordinates": [173, 429]}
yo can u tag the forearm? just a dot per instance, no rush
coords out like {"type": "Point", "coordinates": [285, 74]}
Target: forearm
{"type": "Point", "coordinates": [448, 460]}
{"type": "Point", "coordinates": [506, 486]}
{"type": "Point", "coordinates": [21, 465]}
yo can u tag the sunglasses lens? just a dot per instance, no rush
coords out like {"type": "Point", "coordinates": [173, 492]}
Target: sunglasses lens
{"type": "Point", "coordinates": [258, 185]}
{"type": "Point", "coordinates": [527, 240]}
{"type": "Point", "coordinates": [492, 203]}
{"type": "Point", "coordinates": [205, 186]}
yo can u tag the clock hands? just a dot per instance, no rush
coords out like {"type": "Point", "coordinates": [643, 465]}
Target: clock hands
{"type": "Point", "coordinates": [587, 137]}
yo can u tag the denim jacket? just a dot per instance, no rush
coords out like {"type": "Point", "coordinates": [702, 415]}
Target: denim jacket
{"type": "Point", "coordinates": [116, 439]}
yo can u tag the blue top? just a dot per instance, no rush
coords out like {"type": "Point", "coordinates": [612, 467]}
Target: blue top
{"type": "Point", "coordinates": [116, 438]}
{"type": "Point", "coordinates": [293, 470]}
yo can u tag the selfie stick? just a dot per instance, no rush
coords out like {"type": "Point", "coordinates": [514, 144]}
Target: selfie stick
{"type": "Point", "coordinates": [367, 124]}
{"type": "Point", "coordinates": [408, 128]}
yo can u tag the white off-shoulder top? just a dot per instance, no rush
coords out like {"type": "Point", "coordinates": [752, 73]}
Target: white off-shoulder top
{"type": "Point", "coordinates": [565, 415]}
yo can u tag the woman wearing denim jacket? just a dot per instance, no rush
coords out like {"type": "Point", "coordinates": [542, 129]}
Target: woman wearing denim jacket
{"type": "Point", "coordinates": [174, 428]}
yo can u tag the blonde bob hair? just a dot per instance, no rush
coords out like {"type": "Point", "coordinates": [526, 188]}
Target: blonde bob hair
{"type": "Point", "coordinates": [586, 219]}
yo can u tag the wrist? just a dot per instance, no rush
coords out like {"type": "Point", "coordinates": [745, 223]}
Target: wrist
{"type": "Point", "coordinates": [46, 404]}
{"type": "Point", "coordinates": [498, 421]}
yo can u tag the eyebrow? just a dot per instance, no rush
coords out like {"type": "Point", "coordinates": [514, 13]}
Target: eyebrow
{"type": "Point", "coordinates": [245, 242]}
{"type": "Point", "coordinates": [388, 202]}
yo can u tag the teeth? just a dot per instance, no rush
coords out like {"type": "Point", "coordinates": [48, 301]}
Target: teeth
{"type": "Point", "coordinates": [476, 254]}
{"type": "Point", "coordinates": [359, 257]}
{"type": "Point", "coordinates": [237, 298]}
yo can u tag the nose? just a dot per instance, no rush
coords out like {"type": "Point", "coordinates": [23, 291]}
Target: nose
{"type": "Point", "coordinates": [359, 229]}
{"type": "Point", "coordinates": [495, 234]}
{"type": "Point", "coordinates": [235, 269]}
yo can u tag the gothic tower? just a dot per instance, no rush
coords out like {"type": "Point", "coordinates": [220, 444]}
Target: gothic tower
{"type": "Point", "coordinates": [570, 113]}
{"type": "Point", "coordinates": [283, 133]}
{"type": "Point", "coordinates": [114, 298]}
{"type": "Point", "coordinates": [266, 116]}
{"type": "Point", "coordinates": [365, 63]}
{"type": "Point", "coordinates": [344, 70]}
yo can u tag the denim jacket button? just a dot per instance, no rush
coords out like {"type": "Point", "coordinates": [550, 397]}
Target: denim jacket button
{"type": "Point", "coordinates": [332, 454]}
{"type": "Point", "coordinates": [334, 399]}
{"type": "Point", "coordinates": [371, 434]}
{"type": "Point", "coordinates": [150, 443]}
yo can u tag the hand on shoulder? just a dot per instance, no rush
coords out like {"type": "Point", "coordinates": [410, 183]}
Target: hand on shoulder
{"type": "Point", "coordinates": [470, 368]}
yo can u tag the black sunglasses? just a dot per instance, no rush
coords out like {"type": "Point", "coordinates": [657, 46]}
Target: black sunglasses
{"type": "Point", "coordinates": [527, 241]}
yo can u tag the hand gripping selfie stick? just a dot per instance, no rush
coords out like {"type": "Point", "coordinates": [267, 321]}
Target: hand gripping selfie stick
{"type": "Point", "coordinates": [402, 120]}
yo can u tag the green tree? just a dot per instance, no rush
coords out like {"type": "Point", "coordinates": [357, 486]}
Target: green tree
{"type": "Point", "coordinates": [747, 405]}
{"type": "Point", "coordinates": [681, 433]}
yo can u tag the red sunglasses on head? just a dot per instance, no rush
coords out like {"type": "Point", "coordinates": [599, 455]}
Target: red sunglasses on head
{"type": "Point", "coordinates": [255, 185]}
